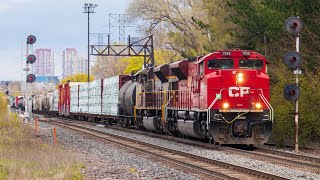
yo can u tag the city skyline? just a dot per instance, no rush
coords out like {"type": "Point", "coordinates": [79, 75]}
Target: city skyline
{"type": "Point", "coordinates": [44, 19]}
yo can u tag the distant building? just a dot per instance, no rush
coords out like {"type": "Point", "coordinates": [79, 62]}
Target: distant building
{"type": "Point", "coordinates": [72, 63]}
{"type": "Point", "coordinates": [44, 65]}
{"type": "Point", "coordinates": [47, 79]}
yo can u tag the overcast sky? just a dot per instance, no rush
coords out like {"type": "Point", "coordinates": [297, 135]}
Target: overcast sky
{"type": "Point", "coordinates": [57, 24]}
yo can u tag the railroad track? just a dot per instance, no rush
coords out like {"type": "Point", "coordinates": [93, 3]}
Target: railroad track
{"type": "Point", "coordinates": [208, 167]}
{"type": "Point", "coordinates": [297, 161]}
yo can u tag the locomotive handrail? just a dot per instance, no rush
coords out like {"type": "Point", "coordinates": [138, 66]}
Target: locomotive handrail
{"type": "Point", "coordinates": [164, 109]}
{"type": "Point", "coordinates": [209, 108]}
{"type": "Point", "coordinates": [268, 105]}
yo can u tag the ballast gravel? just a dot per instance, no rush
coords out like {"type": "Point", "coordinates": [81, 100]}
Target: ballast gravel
{"type": "Point", "coordinates": [105, 161]}
{"type": "Point", "coordinates": [216, 155]}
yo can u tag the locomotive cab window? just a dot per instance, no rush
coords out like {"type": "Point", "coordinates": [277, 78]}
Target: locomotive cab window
{"type": "Point", "coordinates": [251, 64]}
{"type": "Point", "coordinates": [221, 64]}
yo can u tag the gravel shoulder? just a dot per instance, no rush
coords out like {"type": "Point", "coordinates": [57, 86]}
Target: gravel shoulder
{"type": "Point", "coordinates": [106, 161]}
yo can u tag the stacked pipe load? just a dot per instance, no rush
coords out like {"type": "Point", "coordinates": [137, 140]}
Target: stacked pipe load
{"type": "Point", "coordinates": [110, 96]}
{"type": "Point", "coordinates": [74, 106]}
{"type": "Point", "coordinates": [84, 98]}
{"type": "Point", "coordinates": [95, 97]}
{"type": "Point", "coordinates": [55, 100]}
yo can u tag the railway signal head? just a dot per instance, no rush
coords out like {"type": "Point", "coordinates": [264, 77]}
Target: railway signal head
{"type": "Point", "coordinates": [31, 39]}
{"type": "Point", "coordinates": [292, 92]}
{"type": "Point", "coordinates": [293, 25]}
{"type": "Point", "coordinates": [31, 59]}
{"type": "Point", "coordinates": [31, 78]}
{"type": "Point", "coordinates": [293, 59]}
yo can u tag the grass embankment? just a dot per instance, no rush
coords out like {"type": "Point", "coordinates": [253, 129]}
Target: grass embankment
{"type": "Point", "coordinates": [23, 156]}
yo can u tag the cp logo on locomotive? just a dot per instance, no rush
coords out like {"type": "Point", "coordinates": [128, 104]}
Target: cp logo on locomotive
{"type": "Point", "coordinates": [238, 91]}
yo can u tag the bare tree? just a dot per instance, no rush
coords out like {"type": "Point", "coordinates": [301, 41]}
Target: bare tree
{"type": "Point", "coordinates": [108, 66]}
{"type": "Point", "coordinates": [190, 27]}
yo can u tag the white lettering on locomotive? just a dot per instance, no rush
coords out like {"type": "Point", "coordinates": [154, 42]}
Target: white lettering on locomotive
{"type": "Point", "coordinates": [238, 91]}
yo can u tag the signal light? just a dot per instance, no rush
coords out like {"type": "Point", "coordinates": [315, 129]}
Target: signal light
{"type": "Point", "coordinates": [31, 78]}
{"type": "Point", "coordinates": [293, 59]}
{"type": "Point", "coordinates": [293, 25]}
{"type": "Point", "coordinates": [31, 59]}
{"type": "Point", "coordinates": [292, 92]}
{"type": "Point", "coordinates": [31, 39]}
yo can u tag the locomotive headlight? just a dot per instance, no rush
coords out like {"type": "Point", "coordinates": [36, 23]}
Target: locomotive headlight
{"type": "Point", "coordinates": [240, 80]}
{"type": "Point", "coordinates": [258, 105]}
{"type": "Point", "coordinates": [225, 105]}
{"type": "Point", "coordinates": [239, 77]}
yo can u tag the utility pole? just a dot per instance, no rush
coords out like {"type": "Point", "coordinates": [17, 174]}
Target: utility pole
{"type": "Point", "coordinates": [89, 8]}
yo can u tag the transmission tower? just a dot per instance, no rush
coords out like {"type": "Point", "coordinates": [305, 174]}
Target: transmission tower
{"type": "Point", "coordinates": [119, 22]}
{"type": "Point", "coordinates": [100, 38]}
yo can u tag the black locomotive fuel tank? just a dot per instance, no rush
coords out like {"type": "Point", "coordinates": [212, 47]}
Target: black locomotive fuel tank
{"type": "Point", "coordinates": [127, 98]}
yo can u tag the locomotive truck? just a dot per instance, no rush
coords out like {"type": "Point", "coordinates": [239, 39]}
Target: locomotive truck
{"type": "Point", "coordinates": [223, 96]}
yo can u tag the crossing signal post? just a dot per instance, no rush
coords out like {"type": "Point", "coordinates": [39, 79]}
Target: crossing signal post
{"type": "Point", "coordinates": [31, 39]}
{"type": "Point", "coordinates": [293, 59]}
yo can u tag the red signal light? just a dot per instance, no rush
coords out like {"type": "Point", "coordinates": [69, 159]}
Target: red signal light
{"type": "Point", "coordinates": [31, 39]}
{"type": "Point", "coordinates": [293, 59]}
{"type": "Point", "coordinates": [31, 59]}
{"type": "Point", "coordinates": [292, 92]}
{"type": "Point", "coordinates": [31, 78]}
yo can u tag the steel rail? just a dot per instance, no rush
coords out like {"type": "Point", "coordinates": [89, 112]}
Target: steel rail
{"type": "Point", "coordinates": [207, 166]}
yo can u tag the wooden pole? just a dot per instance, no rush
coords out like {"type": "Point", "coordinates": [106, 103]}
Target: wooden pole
{"type": "Point", "coordinates": [55, 136]}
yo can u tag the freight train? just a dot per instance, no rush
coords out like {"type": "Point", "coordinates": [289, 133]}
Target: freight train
{"type": "Point", "coordinates": [222, 97]}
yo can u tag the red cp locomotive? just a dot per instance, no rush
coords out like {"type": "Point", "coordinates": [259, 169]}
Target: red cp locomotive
{"type": "Point", "coordinates": [223, 96]}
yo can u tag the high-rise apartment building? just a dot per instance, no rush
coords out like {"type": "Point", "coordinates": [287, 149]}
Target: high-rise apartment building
{"type": "Point", "coordinates": [72, 63]}
{"type": "Point", "coordinates": [44, 64]}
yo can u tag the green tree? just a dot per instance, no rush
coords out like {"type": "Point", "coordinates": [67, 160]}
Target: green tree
{"type": "Point", "coordinates": [77, 78]}
{"type": "Point", "coordinates": [160, 56]}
